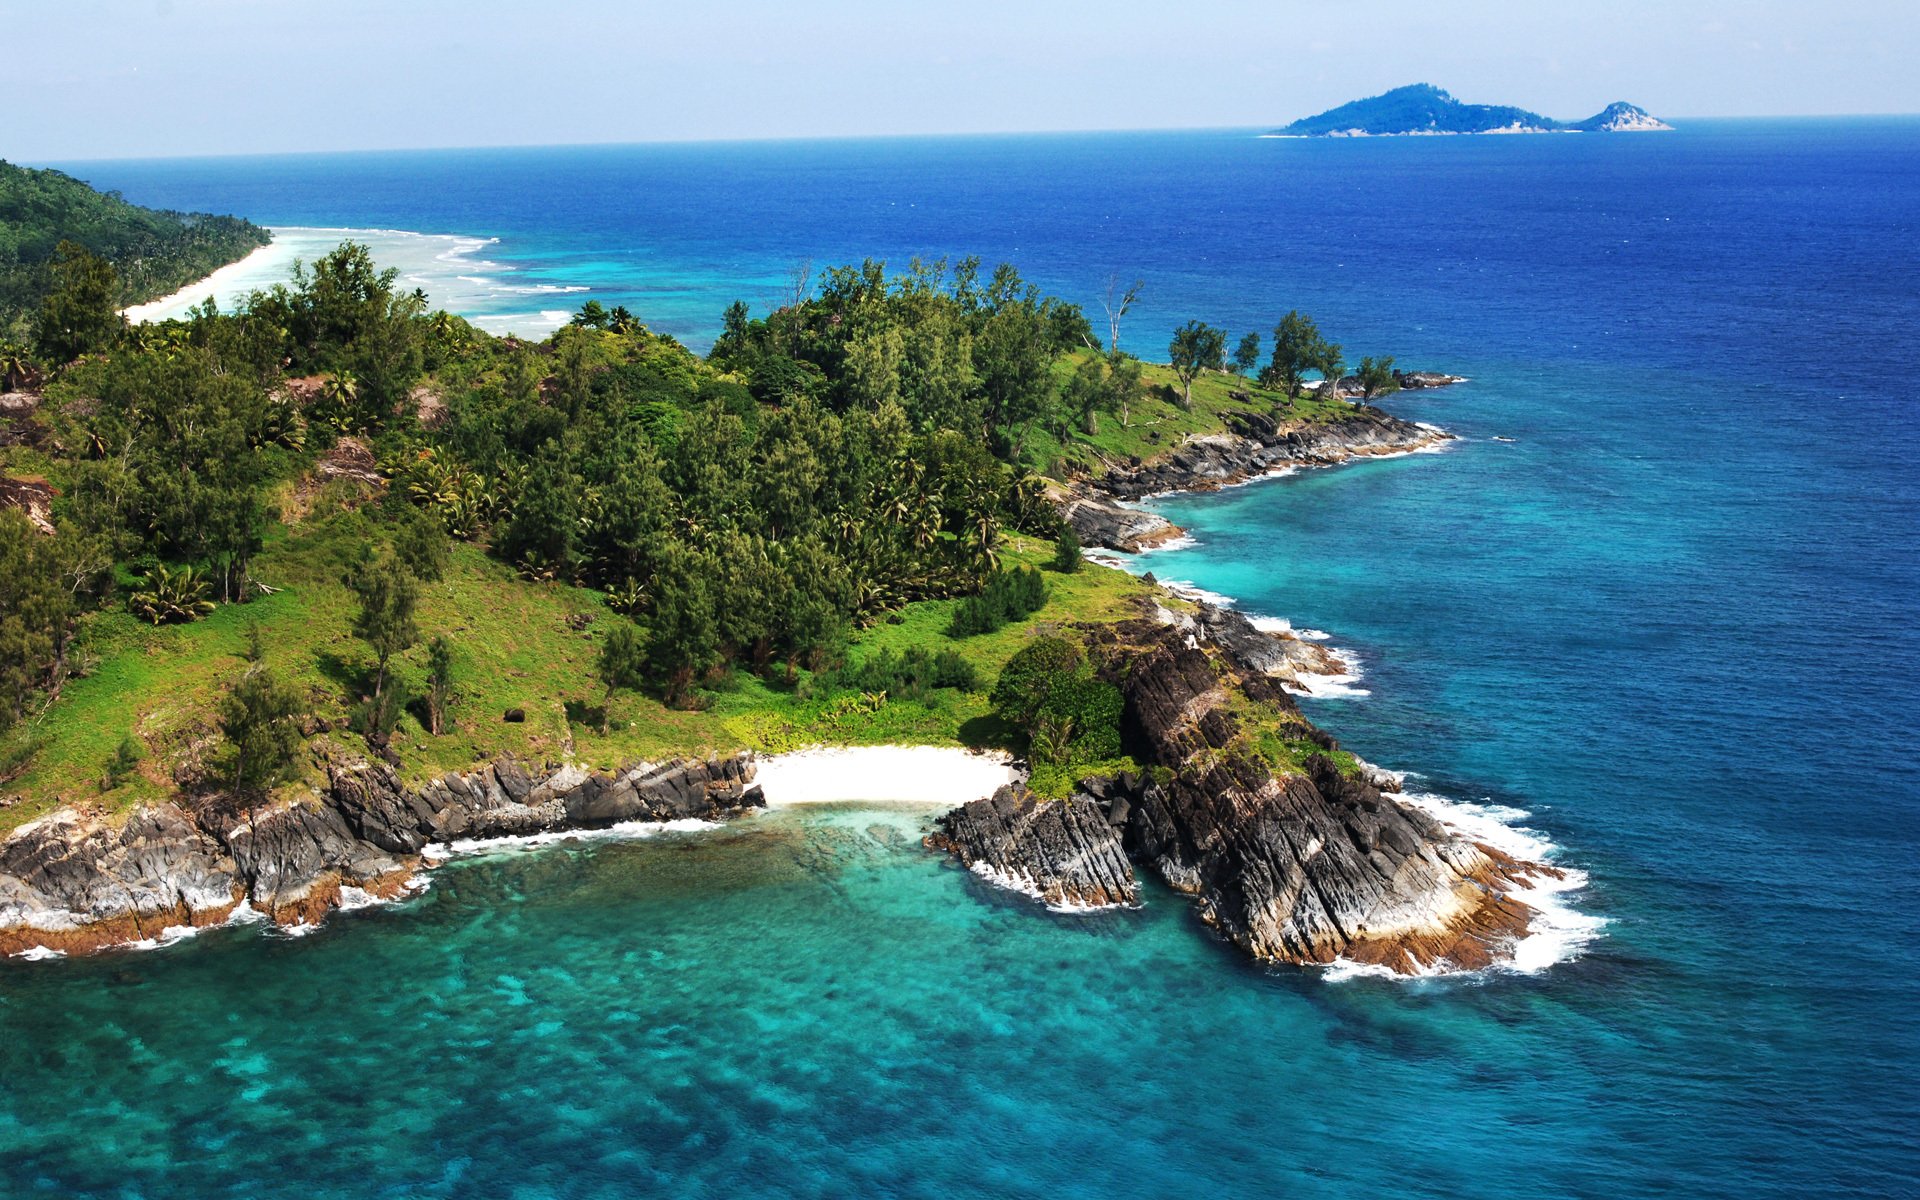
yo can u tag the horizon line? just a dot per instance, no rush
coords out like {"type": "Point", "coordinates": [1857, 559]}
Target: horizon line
{"type": "Point", "coordinates": [954, 135]}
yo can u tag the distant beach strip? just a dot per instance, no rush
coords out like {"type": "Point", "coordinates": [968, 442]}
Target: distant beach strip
{"type": "Point", "coordinates": [451, 269]}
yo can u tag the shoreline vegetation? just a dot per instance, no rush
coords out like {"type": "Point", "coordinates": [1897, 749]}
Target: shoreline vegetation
{"type": "Point", "coordinates": [48, 217]}
{"type": "Point", "coordinates": [334, 579]}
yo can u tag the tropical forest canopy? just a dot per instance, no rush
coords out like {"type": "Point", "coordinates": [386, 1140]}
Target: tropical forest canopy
{"type": "Point", "coordinates": [153, 252]}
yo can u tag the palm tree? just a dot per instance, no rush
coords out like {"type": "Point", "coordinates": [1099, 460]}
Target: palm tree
{"type": "Point", "coordinates": [342, 391]}
{"type": "Point", "coordinates": [16, 369]}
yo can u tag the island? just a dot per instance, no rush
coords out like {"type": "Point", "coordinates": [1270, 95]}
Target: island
{"type": "Point", "coordinates": [1423, 110]}
{"type": "Point", "coordinates": [298, 597]}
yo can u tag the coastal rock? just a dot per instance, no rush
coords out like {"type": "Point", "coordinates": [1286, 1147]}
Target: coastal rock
{"type": "Point", "coordinates": [1298, 861]}
{"type": "Point", "coordinates": [1262, 652]}
{"type": "Point", "coordinates": [296, 857]}
{"type": "Point", "coordinates": [1260, 445]}
{"type": "Point", "coordinates": [1100, 520]}
{"type": "Point", "coordinates": [1063, 852]}
{"type": "Point", "coordinates": [69, 881]}
{"type": "Point", "coordinates": [1302, 865]}
{"type": "Point", "coordinates": [72, 882]}
{"type": "Point", "coordinates": [1415, 381]}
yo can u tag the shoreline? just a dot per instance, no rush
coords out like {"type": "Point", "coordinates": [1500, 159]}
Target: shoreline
{"type": "Point", "coordinates": [453, 268]}
{"type": "Point", "coordinates": [944, 776]}
{"type": "Point", "coordinates": [208, 285]}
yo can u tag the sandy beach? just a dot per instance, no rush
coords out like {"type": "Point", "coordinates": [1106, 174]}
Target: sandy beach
{"type": "Point", "coordinates": [271, 260]}
{"type": "Point", "coordinates": [940, 775]}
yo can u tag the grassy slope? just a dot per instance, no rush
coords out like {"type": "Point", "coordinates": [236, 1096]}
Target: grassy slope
{"type": "Point", "coordinates": [515, 648]}
{"type": "Point", "coordinates": [1157, 424]}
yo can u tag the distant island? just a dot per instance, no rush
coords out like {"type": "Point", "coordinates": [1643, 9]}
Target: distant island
{"type": "Point", "coordinates": [1423, 109]}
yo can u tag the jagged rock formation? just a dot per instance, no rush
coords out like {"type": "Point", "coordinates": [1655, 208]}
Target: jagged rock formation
{"type": "Point", "coordinates": [1255, 445]}
{"type": "Point", "coordinates": [1300, 864]}
{"type": "Point", "coordinates": [1100, 520]}
{"type": "Point", "coordinates": [1064, 852]}
{"type": "Point", "coordinates": [1280, 656]}
{"type": "Point", "coordinates": [73, 882]}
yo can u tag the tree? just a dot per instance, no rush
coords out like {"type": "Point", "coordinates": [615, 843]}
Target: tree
{"type": "Point", "coordinates": [683, 634]}
{"type": "Point", "coordinates": [1066, 551]}
{"type": "Point", "coordinates": [258, 718]}
{"type": "Point", "coordinates": [125, 760]}
{"type": "Point", "coordinates": [1030, 677]}
{"type": "Point", "coordinates": [1196, 347]}
{"type": "Point", "coordinates": [35, 612]}
{"type": "Point", "coordinates": [1013, 360]}
{"type": "Point", "coordinates": [421, 543]}
{"type": "Point", "coordinates": [80, 315]}
{"type": "Point", "coordinates": [1376, 377]}
{"type": "Point", "coordinates": [439, 684]}
{"type": "Point", "coordinates": [1297, 349]}
{"type": "Point", "coordinates": [592, 315]}
{"type": "Point", "coordinates": [1117, 301]}
{"type": "Point", "coordinates": [16, 368]}
{"type": "Point", "coordinates": [1246, 355]}
{"type": "Point", "coordinates": [388, 595]}
{"type": "Point", "coordinates": [1327, 361]}
{"type": "Point", "coordinates": [621, 663]}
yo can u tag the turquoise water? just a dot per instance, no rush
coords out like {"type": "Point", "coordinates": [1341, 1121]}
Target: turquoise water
{"type": "Point", "coordinates": [1672, 621]}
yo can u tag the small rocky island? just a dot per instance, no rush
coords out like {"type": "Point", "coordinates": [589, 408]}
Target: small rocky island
{"type": "Point", "coordinates": [1421, 109]}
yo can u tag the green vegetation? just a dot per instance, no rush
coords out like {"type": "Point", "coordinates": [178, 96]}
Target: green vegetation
{"type": "Point", "coordinates": [599, 548]}
{"type": "Point", "coordinates": [1069, 719]}
{"type": "Point", "coordinates": [1007, 596]}
{"type": "Point", "coordinates": [151, 253]}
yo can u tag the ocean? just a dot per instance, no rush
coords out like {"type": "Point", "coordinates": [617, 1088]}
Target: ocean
{"type": "Point", "coordinates": [1658, 607]}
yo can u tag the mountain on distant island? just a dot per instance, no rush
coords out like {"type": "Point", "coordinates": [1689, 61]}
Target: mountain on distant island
{"type": "Point", "coordinates": [1422, 108]}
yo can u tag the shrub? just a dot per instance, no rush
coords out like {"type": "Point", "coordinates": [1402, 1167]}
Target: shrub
{"type": "Point", "coordinates": [1066, 551]}
{"type": "Point", "coordinates": [166, 597]}
{"type": "Point", "coordinates": [1008, 596]}
{"type": "Point", "coordinates": [909, 676]}
{"type": "Point", "coordinates": [1030, 676]}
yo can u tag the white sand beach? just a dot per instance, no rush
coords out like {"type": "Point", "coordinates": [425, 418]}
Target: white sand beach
{"type": "Point", "coordinates": [942, 775]}
{"type": "Point", "coordinates": [267, 264]}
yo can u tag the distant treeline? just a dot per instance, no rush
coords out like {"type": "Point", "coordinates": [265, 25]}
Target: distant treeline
{"type": "Point", "coordinates": [153, 252]}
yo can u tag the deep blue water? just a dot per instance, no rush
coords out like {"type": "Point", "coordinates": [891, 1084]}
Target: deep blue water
{"type": "Point", "coordinates": [1673, 620]}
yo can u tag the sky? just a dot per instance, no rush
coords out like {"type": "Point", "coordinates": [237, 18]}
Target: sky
{"type": "Point", "coordinates": [157, 78]}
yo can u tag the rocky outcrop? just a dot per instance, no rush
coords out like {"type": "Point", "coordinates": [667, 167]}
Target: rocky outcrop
{"type": "Point", "coordinates": [1418, 381]}
{"type": "Point", "coordinates": [1280, 656]}
{"type": "Point", "coordinates": [74, 882]}
{"type": "Point", "coordinates": [1100, 520]}
{"type": "Point", "coordinates": [1301, 860]}
{"type": "Point", "coordinates": [1253, 446]}
{"type": "Point", "coordinates": [34, 497]}
{"type": "Point", "coordinates": [70, 882]}
{"type": "Point", "coordinates": [1067, 853]}
{"type": "Point", "coordinates": [1259, 445]}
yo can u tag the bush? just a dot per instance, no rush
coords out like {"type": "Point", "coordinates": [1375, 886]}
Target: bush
{"type": "Point", "coordinates": [909, 676]}
{"type": "Point", "coordinates": [1066, 551]}
{"type": "Point", "coordinates": [166, 597]}
{"type": "Point", "coordinates": [1008, 596]}
{"type": "Point", "coordinates": [1086, 712]}
{"type": "Point", "coordinates": [1030, 676]}
{"type": "Point", "coordinates": [1049, 693]}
